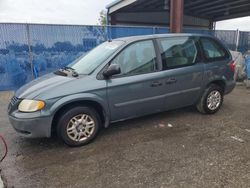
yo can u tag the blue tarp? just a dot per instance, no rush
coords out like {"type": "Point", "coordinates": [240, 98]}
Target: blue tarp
{"type": "Point", "coordinates": [248, 67]}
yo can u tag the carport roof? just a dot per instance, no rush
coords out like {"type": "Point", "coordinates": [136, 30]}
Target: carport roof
{"type": "Point", "coordinates": [214, 10]}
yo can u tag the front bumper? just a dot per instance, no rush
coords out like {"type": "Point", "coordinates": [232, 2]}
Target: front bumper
{"type": "Point", "coordinates": [32, 127]}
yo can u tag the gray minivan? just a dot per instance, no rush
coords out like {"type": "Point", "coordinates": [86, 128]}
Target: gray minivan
{"type": "Point", "coordinates": [122, 79]}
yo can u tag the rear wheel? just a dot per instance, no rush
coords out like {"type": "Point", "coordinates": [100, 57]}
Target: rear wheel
{"type": "Point", "coordinates": [78, 126]}
{"type": "Point", "coordinates": [211, 100]}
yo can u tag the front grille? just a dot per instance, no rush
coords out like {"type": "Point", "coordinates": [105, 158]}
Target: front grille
{"type": "Point", "coordinates": [13, 100]}
{"type": "Point", "coordinates": [13, 104]}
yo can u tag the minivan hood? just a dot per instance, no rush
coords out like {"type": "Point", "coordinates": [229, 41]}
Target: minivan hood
{"type": "Point", "coordinates": [40, 85]}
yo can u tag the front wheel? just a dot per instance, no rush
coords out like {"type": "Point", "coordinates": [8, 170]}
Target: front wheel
{"type": "Point", "coordinates": [211, 100]}
{"type": "Point", "coordinates": [78, 126]}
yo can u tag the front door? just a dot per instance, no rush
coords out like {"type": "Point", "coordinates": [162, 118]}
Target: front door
{"type": "Point", "coordinates": [138, 90]}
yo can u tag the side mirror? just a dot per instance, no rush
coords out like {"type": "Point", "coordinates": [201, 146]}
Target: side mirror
{"type": "Point", "coordinates": [112, 70]}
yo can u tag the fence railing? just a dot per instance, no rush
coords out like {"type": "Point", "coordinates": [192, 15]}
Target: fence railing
{"type": "Point", "coordinates": [31, 50]}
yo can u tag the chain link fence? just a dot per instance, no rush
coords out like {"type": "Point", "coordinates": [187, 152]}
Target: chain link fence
{"type": "Point", "coordinates": [28, 51]}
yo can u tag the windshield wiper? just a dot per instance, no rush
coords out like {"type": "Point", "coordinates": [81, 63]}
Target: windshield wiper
{"type": "Point", "coordinates": [68, 68]}
{"type": "Point", "coordinates": [60, 73]}
{"type": "Point", "coordinates": [74, 73]}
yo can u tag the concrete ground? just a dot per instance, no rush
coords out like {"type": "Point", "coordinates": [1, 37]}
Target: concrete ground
{"type": "Point", "coordinates": [198, 151]}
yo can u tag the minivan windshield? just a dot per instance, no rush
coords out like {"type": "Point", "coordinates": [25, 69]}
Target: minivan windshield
{"type": "Point", "coordinates": [88, 63]}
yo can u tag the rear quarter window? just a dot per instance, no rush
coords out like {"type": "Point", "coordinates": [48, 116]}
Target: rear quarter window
{"type": "Point", "coordinates": [213, 50]}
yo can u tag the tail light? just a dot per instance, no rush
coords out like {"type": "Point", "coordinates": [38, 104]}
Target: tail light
{"type": "Point", "coordinates": [232, 66]}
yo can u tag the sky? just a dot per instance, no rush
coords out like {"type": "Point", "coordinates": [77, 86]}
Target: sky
{"type": "Point", "coordinates": [79, 12]}
{"type": "Point", "coordinates": [242, 24]}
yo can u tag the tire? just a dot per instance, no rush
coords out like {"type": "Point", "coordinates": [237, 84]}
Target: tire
{"type": "Point", "coordinates": [78, 126]}
{"type": "Point", "coordinates": [213, 93]}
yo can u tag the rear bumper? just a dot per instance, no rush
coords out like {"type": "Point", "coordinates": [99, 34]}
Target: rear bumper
{"type": "Point", "coordinates": [32, 127]}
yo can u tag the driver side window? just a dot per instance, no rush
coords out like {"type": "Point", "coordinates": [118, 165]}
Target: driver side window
{"type": "Point", "coordinates": [138, 58]}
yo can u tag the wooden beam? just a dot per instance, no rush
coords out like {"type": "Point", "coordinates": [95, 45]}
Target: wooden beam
{"type": "Point", "coordinates": [176, 15]}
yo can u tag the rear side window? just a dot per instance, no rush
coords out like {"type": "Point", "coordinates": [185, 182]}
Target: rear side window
{"type": "Point", "coordinates": [178, 52]}
{"type": "Point", "coordinates": [138, 58]}
{"type": "Point", "coordinates": [213, 50]}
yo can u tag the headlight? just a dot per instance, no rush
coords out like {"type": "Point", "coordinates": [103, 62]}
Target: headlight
{"type": "Point", "coordinates": [30, 105]}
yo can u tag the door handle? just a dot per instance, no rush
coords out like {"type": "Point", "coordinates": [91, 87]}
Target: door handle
{"type": "Point", "coordinates": [171, 81]}
{"type": "Point", "coordinates": [156, 84]}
